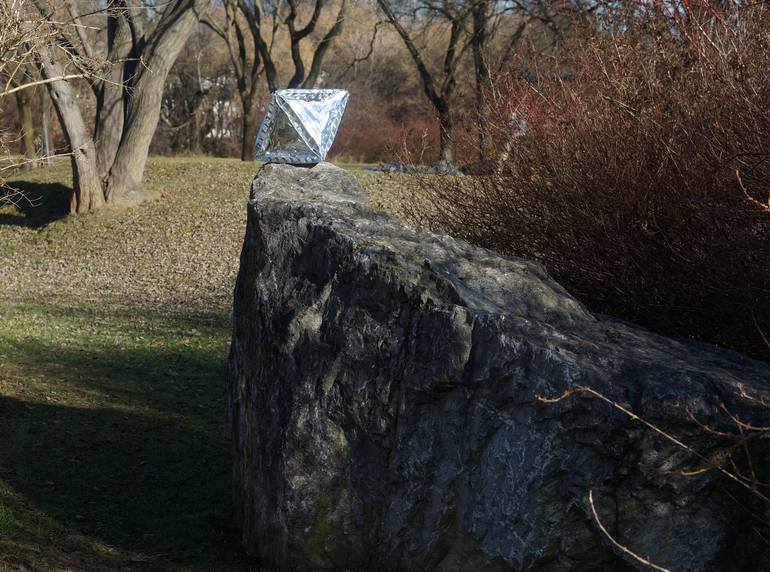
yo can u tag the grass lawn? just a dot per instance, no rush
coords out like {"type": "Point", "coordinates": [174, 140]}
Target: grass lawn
{"type": "Point", "coordinates": [114, 332]}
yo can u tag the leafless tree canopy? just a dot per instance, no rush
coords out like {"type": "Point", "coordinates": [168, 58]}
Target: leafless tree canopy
{"type": "Point", "coordinates": [104, 67]}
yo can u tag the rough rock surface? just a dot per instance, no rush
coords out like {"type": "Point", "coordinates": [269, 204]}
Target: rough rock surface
{"type": "Point", "coordinates": [383, 403]}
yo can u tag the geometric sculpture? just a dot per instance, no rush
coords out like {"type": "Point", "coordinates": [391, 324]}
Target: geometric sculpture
{"type": "Point", "coordinates": [300, 125]}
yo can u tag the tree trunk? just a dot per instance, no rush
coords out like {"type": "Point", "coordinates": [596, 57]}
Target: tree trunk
{"type": "Point", "coordinates": [45, 116]}
{"type": "Point", "coordinates": [445, 135]}
{"type": "Point", "coordinates": [87, 195]}
{"type": "Point", "coordinates": [24, 104]}
{"type": "Point", "coordinates": [110, 99]}
{"type": "Point", "coordinates": [142, 111]}
{"type": "Point", "coordinates": [439, 99]}
{"type": "Point", "coordinates": [323, 47]}
{"type": "Point", "coordinates": [87, 190]}
{"type": "Point", "coordinates": [483, 82]}
{"type": "Point", "coordinates": [249, 127]}
{"type": "Point", "coordinates": [197, 133]}
{"type": "Point", "coordinates": [108, 167]}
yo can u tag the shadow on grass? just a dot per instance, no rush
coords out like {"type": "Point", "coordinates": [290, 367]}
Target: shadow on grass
{"type": "Point", "coordinates": [140, 462]}
{"type": "Point", "coordinates": [40, 204]}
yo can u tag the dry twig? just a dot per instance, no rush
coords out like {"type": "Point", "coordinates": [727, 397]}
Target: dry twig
{"type": "Point", "coordinates": [617, 544]}
{"type": "Point", "coordinates": [657, 430]}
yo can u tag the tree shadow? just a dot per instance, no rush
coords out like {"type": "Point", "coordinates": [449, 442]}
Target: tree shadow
{"type": "Point", "coordinates": [148, 486]}
{"type": "Point", "coordinates": [142, 465]}
{"type": "Point", "coordinates": [38, 205]}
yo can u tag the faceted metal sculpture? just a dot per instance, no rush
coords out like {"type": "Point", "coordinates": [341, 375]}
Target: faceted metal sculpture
{"type": "Point", "coordinates": [300, 125]}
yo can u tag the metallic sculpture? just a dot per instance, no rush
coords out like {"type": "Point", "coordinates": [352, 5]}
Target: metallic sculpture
{"type": "Point", "coordinates": [300, 125]}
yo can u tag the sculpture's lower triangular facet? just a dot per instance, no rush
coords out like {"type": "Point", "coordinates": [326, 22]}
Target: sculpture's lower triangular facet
{"type": "Point", "coordinates": [282, 137]}
{"type": "Point", "coordinates": [300, 125]}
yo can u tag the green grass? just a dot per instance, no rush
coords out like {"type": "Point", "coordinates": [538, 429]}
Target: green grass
{"type": "Point", "coordinates": [114, 331]}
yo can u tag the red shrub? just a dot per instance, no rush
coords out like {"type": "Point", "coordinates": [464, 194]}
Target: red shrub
{"type": "Point", "coordinates": [642, 179]}
{"type": "Point", "coordinates": [370, 134]}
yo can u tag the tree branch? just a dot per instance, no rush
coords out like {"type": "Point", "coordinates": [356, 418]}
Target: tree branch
{"type": "Point", "coordinates": [254, 21]}
{"type": "Point", "coordinates": [80, 29]}
{"type": "Point", "coordinates": [310, 26]}
{"type": "Point", "coordinates": [41, 82]}
{"type": "Point", "coordinates": [425, 76]}
{"type": "Point", "coordinates": [323, 47]}
{"type": "Point", "coordinates": [370, 51]}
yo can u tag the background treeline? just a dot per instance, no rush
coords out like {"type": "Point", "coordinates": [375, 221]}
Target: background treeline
{"type": "Point", "coordinates": [216, 91]}
{"type": "Point", "coordinates": [386, 103]}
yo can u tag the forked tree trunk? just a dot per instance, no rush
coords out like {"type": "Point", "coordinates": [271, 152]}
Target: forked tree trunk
{"type": "Point", "coordinates": [142, 110]}
{"type": "Point", "coordinates": [142, 117]}
{"type": "Point", "coordinates": [108, 166]}
{"type": "Point", "coordinates": [110, 96]}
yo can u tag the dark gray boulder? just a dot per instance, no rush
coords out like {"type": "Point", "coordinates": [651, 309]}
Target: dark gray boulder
{"type": "Point", "coordinates": [384, 408]}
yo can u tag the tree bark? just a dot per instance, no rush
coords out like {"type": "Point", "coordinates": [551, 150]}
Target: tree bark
{"type": "Point", "coordinates": [24, 104]}
{"type": "Point", "coordinates": [87, 193]}
{"type": "Point", "coordinates": [142, 111]}
{"type": "Point", "coordinates": [110, 97]}
{"type": "Point", "coordinates": [249, 124]}
{"type": "Point", "coordinates": [46, 121]}
{"type": "Point", "coordinates": [483, 81]}
{"type": "Point", "coordinates": [445, 134]}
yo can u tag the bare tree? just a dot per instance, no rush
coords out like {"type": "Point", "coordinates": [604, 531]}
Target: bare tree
{"type": "Point", "coordinates": [250, 30]}
{"type": "Point", "coordinates": [438, 87]}
{"type": "Point", "coordinates": [20, 37]}
{"type": "Point", "coordinates": [139, 44]}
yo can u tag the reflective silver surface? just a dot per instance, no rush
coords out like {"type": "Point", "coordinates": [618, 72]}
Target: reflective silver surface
{"type": "Point", "coordinates": [300, 125]}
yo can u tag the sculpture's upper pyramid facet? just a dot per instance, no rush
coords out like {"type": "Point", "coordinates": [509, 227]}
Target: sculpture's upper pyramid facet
{"type": "Point", "coordinates": [300, 125]}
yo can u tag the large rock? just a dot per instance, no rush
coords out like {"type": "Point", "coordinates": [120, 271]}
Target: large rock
{"type": "Point", "coordinates": [385, 414]}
